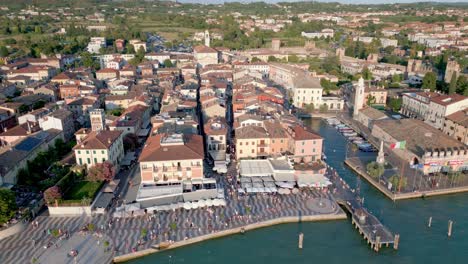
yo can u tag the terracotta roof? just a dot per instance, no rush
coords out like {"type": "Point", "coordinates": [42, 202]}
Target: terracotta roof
{"type": "Point", "coordinates": [275, 130]}
{"type": "Point", "coordinates": [251, 132]}
{"type": "Point", "coordinates": [301, 134]}
{"type": "Point", "coordinates": [460, 117]}
{"type": "Point", "coordinates": [99, 140]}
{"type": "Point", "coordinates": [107, 70]}
{"type": "Point", "coordinates": [21, 130]}
{"type": "Point", "coordinates": [191, 148]}
{"type": "Point", "coordinates": [216, 126]}
{"type": "Point", "coordinates": [204, 49]}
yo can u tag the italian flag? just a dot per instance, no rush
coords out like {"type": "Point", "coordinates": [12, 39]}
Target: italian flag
{"type": "Point", "coordinates": [398, 145]}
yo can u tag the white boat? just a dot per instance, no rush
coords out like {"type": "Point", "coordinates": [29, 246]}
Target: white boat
{"type": "Point", "coordinates": [350, 134]}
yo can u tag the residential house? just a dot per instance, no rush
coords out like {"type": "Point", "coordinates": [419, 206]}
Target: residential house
{"type": "Point", "coordinates": [100, 146]}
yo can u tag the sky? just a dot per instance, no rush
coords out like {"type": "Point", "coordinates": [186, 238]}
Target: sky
{"type": "Point", "coordinates": [341, 1]}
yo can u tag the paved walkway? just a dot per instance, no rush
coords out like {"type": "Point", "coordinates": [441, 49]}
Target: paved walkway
{"type": "Point", "coordinates": [142, 232]}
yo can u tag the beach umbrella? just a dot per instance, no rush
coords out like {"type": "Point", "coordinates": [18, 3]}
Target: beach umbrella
{"type": "Point", "coordinates": [209, 202]}
{"type": "Point", "coordinates": [295, 191]}
{"type": "Point", "coordinates": [187, 206]}
{"type": "Point", "coordinates": [201, 203]}
{"type": "Point", "coordinates": [216, 202]}
{"type": "Point", "coordinates": [222, 202]}
{"type": "Point", "coordinates": [195, 205]}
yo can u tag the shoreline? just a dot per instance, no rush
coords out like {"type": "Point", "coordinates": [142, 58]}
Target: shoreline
{"type": "Point", "coordinates": [404, 196]}
{"type": "Point", "coordinates": [233, 231]}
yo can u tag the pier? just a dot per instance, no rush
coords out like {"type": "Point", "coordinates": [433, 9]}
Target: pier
{"type": "Point", "coordinates": [372, 230]}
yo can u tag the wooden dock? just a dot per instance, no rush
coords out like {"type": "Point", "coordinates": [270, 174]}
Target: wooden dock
{"type": "Point", "coordinates": [373, 231]}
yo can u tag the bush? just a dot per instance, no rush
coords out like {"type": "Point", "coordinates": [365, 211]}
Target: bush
{"type": "Point", "coordinates": [375, 170]}
{"type": "Point", "coordinates": [66, 181]}
{"type": "Point", "coordinates": [51, 194]}
{"type": "Point", "coordinates": [8, 205]}
{"type": "Point", "coordinates": [101, 172]}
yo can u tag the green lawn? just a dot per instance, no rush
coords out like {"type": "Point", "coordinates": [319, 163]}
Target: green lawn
{"type": "Point", "coordinates": [83, 189]}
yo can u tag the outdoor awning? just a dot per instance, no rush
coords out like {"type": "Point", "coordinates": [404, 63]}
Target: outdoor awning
{"type": "Point", "coordinates": [284, 177]}
{"type": "Point", "coordinates": [314, 180]}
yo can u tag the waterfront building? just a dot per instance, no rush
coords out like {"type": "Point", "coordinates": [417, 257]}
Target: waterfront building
{"type": "Point", "coordinates": [427, 148]}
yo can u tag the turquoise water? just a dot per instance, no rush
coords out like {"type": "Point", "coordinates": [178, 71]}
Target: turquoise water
{"type": "Point", "coordinates": [337, 241]}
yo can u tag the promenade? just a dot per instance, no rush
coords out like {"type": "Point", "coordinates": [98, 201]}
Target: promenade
{"type": "Point", "coordinates": [140, 233]}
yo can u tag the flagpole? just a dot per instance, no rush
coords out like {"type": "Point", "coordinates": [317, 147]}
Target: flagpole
{"type": "Point", "coordinates": [401, 174]}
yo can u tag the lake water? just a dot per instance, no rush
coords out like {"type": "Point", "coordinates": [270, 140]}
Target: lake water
{"type": "Point", "coordinates": [337, 241]}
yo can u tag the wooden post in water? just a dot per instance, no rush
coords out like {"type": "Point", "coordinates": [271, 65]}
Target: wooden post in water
{"type": "Point", "coordinates": [301, 240]}
{"type": "Point", "coordinates": [450, 223]}
{"type": "Point", "coordinates": [430, 222]}
{"type": "Point", "coordinates": [377, 244]}
{"type": "Point", "coordinates": [396, 241]}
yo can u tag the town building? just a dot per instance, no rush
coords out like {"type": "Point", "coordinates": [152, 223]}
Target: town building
{"type": "Point", "coordinates": [98, 147]}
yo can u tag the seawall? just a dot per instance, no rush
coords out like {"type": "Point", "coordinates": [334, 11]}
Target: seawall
{"type": "Point", "coordinates": [237, 230]}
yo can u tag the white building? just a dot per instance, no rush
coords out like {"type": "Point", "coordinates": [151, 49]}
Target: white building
{"type": "Point", "coordinates": [325, 33]}
{"type": "Point", "coordinates": [100, 146]}
{"type": "Point", "coordinates": [95, 44]}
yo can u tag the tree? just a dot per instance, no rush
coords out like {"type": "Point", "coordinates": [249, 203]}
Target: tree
{"type": "Point", "coordinates": [168, 63]}
{"type": "Point", "coordinates": [453, 84]}
{"type": "Point", "coordinates": [255, 59]}
{"type": "Point", "coordinates": [51, 194]}
{"type": "Point", "coordinates": [396, 78]}
{"type": "Point", "coordinates": [87, 59]}
{"type": "Point", "coordinates": [3, 51]}
{"type": "Point", "coordinates": [462, 85]}
{"type": "Point", "coordinates": [397, 181]}
{"type": "Point", "coordinates": [429, 81]}
{"type": "Point", "coordinates": [309, 107]}
{"type": "Point", "coordinates": [374, 169]}
{"type": "Point", "coordinates": [395, 104]}
{"type": "Point", "coordinates": [371, 100]}
{"type": "Point", "coordinates": [272, 59]}
{"type": "Point", "coordinates": [7, 205]}
{"type": "Point", "coordinates": [366, 73]}
{"type": "Point", "coordinates": [101, 172]}
{"type": "Point", "coordinates": [323, 108]}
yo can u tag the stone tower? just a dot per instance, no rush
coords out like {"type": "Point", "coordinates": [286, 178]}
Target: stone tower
{"type": "Point", "coordinates": [452, 68]}
{"type": "Point", "coordinates": [414, 65]}
{"type": "Point", "coordinates": [207, 38]}
{"type": "Point", "coordinates": [340, 53]}
{"type": "Point", "coordinates": [358, 97]}
{"type": "Point", "coordinates": [275, 44]}
{"type": "Point", "coordinates": [381, 156]}
{"type": "Point", "coordinates": [98, 119]}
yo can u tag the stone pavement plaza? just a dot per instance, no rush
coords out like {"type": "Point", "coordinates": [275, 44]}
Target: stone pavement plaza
{"type": "Point", "coordinates": [137, 233]}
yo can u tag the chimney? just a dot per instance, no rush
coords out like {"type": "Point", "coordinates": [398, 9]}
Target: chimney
{"type": "Point", "coordinates": [109, 141]}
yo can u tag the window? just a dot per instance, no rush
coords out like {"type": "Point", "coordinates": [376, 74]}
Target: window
{"type": "Point", "coordinates": [303, 143]}
{"type": "Point", "coordinates": [103, 159]}
{"type": "Point", "coordinates": [240, 151]}
{"type": "Point", "coordinates": [302, 151]}
{"type": "Point", "coordinates": [102, 151]}
{"type": "Point", "coordinates": [253, 151]}
{"type": "Point", "coordinates": [240, 143]}
{"type": "Point", "coordinates": [272, 141]}
{"type": "Point", "coordinates": [89, 160]}
{"type": "Point", "coordinates": [80, 161]}
{"type": "Point", "coordinates": [281, 141]}
{"type": "Point", "coordinates": [95, 160]}
{"type": "Point", "coordinates": [253, 143]}
{"type": "Point", "coordinates": [87, 152]}
{"type": "Point", "coordinates": [94, 152]}
{"type": "Point", "coordinates": [313, 150]}
{"type": "Point", "coordinates": [128, 129]}
{"type": "Point", "coordinates": [79, 151]}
